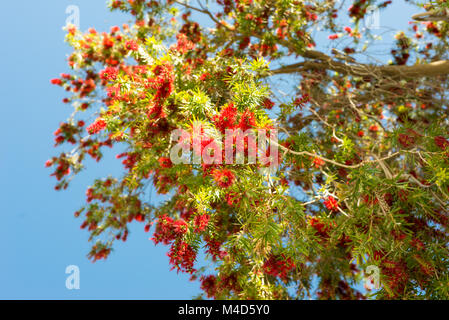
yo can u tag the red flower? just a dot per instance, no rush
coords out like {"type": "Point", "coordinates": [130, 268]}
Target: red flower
{"type": "Point", "coordinates": [165, 162]}
{"type": "Point", "coordinates": [331, 204]}
{"type": "Point", "coordinates": [373, 128]}
{"type": "Point", "coordinates": [213, 248]}
{"type": "Point", "coordinates": [131, 45]}
{"type": "Point", "coordinates": [278, 266]}
{"type": "Point", "coordinates": [97, 126]}
{"type": "Point", "coordinates": [224, 177]}
{"type": "Point", "coordinates": [183, 45]}
{"type": "Point", "coordinates": [226, 119]}
{"type": "Point", "coordinates": [209, 285]}
{"type": "Point", "coordinates": [333, 37]}
{"type": "Point", "coordinates": [232, 198]}
{"type": "Point", "coordinates": [441, 142]}
{"type": "Point", "coordinates": [115, 29]}
{"type": "Point", "coordinates": [107, 42]}
{"type": "Point", "coordinates": [168, 230]}
{"type": "Point", "coordinates": [110, 73]}
{"type": "Point", "coordinates": [56, 81]}
{"type": "Point", "coordinates": [182, 256]}
{"type": "Point", "coordinates": [201, 222]}
{"type": "Point", "coordinates": [301, 101]}
{"type": "Point", "coordinates": [247, 120]}
{"type": "Point", "coordinates": [205, 76]}
{"type": "Point", "coordinates": [268, 104]}
{"type": "Point", "coordinates": [320, 228]}
{"type": "Point", "coordinates": [318, 162]}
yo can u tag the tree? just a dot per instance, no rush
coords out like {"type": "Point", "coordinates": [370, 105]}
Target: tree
{"type": "Point", "coordinates": [361, 180]}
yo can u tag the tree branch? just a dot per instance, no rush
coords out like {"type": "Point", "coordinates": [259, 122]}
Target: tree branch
{"type": "Point", "coordinates": [323, 61]}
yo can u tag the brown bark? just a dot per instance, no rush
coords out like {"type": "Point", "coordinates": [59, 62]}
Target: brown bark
{"type": "Point", "coordinates": [323, 61]}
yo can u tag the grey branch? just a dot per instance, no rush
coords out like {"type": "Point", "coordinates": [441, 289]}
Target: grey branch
{"type": "Point", "coordinates": [432, 15]}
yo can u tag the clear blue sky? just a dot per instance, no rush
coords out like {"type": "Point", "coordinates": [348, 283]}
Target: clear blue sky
{"type": "Point", "coordinates": [39, 236]}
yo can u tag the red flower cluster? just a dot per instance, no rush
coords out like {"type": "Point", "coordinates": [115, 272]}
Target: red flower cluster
{"type": "Point", "coordinates": [227, 118]}
{"type": "Point", "coordinates": [441, 142]}
{"type": "Point", "coordinates": [268, 104]}
{"type": "Point", "coordinates": [320, 228]}
{"type": "Point", "coordinates": [163, 82]}
{"type": "Point", "coordinates": [182, 256]}
{"type": "Point", "coordinates": [223, 177]}
{"type": "Point", "coordinates": [131, 45]}
{"type": "Point", "coordinates": [213, 285]}
{"type": "Point", "coordinates": [110, 73]}
{"type": "Point", "coordinates": [396, 275]}
{"type": "Point", "coordinates": [205, 76]}
{"type": "Point", "coordinates": [301, 101]}
{"type": "Point", "coordinates": [331, 204]}
{"type": "Point", "coordinates": [278, 266]}
{"type": "Point", "coordinates": [56, 81]}
{"type": "Point", "coordinates": [201, 221]}
{"type": "Point", "coordinates": [183, 45]}
{"type": "Point", "coordinates": [96, 127]}
{"type": "Point", "coordinates": [232, 198]}
{"type": "Point", "coordinates": [409, 138]}
{"type": "Point", "coordinates": [107, 41]}
{"type": "Point", "coordinates": [99, 253]}
{"type": "Point", "coordinates": [209, 285]}
{"type": "Point", "coordinates": [213, 248]}
{"type": "Point", "coordinates": [318, 162]}
{"type": "Point", "coordinates": [168, 230]}
{"type": "Point", "coordinates": [247, 120]}
{"type": "Point", "coordinates": [165, 162]}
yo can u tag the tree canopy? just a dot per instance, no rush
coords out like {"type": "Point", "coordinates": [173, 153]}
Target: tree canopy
{"type": "Point", "coordinates": [361, 176]}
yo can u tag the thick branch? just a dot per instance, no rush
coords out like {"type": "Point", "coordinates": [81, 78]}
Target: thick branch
{"type": "Point", "coordinates": [323, 61]}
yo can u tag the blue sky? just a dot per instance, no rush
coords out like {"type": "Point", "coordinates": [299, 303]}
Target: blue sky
{"type": "Point", "coordinates": [39, 234]}
{"type": "Point", "coordinates": [39, 237]}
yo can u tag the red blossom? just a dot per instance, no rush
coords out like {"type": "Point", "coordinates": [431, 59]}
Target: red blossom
{"type": "Point", "coordinates": [318, 162]}
{"type": "Point", "coordinates": [205, 76]}
{"type": "Point", "coordinates": [131, 45]}
{"type": "Point", "coordinates": [165, 162]}
{"type": "Point", "coordinates": [97, 126]}
{"type": "Point", "coordinates": [201, 221]}
{"type": "Point", "coordinates": [331, 204]}
{"type": "Point", "coordinates": [227, 118]}
{"type": "Point", "coordinates": [110, 73]}
{"type": "Point", "coordinates": [247, 120]}
{"type": "Point", "coordinates": [56, 81]}
{"type": "Point", "coordinates": [278, 266]}
{"type": "Point", "coordinates": [441, 142]}
{"type": "Point", "coordinates": [168, 230]}
{"type": "Point", "coordinates": [223, 177]}
{"type": "Point", "coordinates": [182, 257]}
{"type": "Point", "coordinates": [268, 104]}
{"type": "Point", "coordinates": [214, 249]}
{"type": "Point", "coordinates": [183, 45]}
